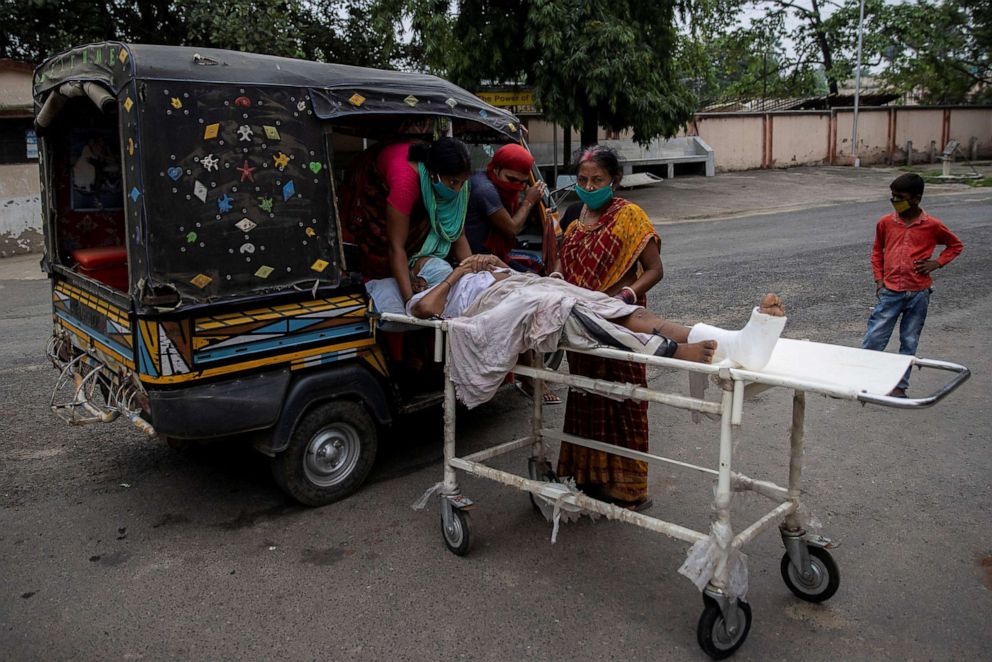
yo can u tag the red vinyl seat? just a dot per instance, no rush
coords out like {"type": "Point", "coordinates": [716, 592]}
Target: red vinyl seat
{"type": "Point", "coordinates": [107, 264]}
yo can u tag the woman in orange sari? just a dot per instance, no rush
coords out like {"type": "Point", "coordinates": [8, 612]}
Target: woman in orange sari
{"type": "Point", "coordinates": [611, 246]}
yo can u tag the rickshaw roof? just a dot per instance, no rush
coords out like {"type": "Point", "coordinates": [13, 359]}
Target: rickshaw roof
{"type": "Point", "coordinates": [337, 90]}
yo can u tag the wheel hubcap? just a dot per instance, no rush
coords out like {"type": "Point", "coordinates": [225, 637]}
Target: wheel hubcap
{"type": "Point", "coordinates": [453, 530]}
{"type": "Point", "coordinates": [721, 637]}
{"type": "Point", "coordinates": [332, 454]}
{"type": "Point", "coordinates": [813, 577]}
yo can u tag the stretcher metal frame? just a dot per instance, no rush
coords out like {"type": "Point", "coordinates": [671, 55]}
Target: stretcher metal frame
{"type": "Point", "coordinates": [807, 567]}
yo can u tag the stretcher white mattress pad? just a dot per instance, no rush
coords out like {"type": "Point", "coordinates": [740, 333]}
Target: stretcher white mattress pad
{"type": "Point", "coordinates": [836, 367]}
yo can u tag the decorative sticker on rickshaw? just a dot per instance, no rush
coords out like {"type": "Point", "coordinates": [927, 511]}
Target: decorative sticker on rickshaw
{"type": "Point", "coordinates": [235, 150]}
{"type": "Point", "coordinates": [246, 171]}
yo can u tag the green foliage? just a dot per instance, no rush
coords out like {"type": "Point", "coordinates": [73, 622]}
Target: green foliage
{"type": "Point", "coordinates": [330, 30]}
{"type": "Point", "coordinates": [590, 63]}
{"type": "Point", "coordinates": [745, 65]}
{"type": "Point", "coordinates": [941, 49]}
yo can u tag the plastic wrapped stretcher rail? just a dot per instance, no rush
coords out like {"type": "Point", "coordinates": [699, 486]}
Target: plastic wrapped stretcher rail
{"type": "Point", "coordinates": [715, 562]}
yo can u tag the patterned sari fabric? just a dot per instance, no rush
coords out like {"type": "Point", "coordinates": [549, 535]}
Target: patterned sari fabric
{"type": "Point", "coordinates": [363, 217]}
{"type": "Point", "coordinates": [597, 258]}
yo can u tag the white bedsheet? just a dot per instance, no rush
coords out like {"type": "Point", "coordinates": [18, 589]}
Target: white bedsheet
{"type": "Point", "coordinates": [519, 313]}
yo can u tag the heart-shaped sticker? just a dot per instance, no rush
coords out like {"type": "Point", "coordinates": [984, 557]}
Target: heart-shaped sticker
{"type": "Point", "coordinates": [175, 172]}
{"type": "Point", "coordinates": [316, 166]}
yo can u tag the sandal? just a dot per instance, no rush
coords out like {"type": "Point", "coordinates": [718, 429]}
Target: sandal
{"type": "Point", "coordinates": [550, 397]}
{"type": "Point", "coordinates": [637, 506]}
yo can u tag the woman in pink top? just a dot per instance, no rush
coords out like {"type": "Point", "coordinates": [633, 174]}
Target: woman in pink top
{"type": "Point", "coordinates": [426, 195]}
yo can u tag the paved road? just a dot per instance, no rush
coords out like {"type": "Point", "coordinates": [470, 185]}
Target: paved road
{"type": "Point", "coordinates": [114, 547]}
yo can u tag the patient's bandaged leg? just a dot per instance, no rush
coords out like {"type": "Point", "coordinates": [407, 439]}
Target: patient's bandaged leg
{"type": "Point", "coordinates": [749, 348]}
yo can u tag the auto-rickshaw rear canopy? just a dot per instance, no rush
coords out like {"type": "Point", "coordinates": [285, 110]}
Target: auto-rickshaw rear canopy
{"type": "Point", "coordinates": [226, 168]}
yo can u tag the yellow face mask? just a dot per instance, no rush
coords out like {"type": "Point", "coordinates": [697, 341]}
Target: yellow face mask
{"type": "Point", "coordinates": [899, 205]}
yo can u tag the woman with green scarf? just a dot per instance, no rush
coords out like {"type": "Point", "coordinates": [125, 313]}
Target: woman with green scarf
{"type": "Point", "coordinates": [426, 195]}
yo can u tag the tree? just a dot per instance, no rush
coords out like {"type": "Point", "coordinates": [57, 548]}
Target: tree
{"type": "Point", "coordinates": [332, 30]}
{"type": "Point", "coordinates": [744, 65]}
{"type": "Point", "coordinates": [941, 50]}
{"type": "Point", "coordinates": [938, 47]}
{"type": "Point", "coordinates": [589, 63]}
{"type": "Point", "coordinates": [821, 35]}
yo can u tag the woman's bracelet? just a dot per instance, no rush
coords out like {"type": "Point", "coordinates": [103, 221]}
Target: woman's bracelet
{"type": "Point", "coordinates": [556, 274]}
{"type": "Point", "coordinates": [627, 295]}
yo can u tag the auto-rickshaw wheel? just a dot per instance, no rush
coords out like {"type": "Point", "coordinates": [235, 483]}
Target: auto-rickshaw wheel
{"type": "Point", "coordinates": [330, 453]}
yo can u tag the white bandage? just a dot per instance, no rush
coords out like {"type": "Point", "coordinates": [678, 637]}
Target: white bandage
{"type": "Point", "coordinates": [749, 348]}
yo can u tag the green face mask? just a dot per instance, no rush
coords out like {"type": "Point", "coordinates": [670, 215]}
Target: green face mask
{"type": "Point", "coordinates": [443, 191]}
{"type": "Point", "coordinates": [900, 205]}
{"type": "Point", "coordinates": [595, 199]}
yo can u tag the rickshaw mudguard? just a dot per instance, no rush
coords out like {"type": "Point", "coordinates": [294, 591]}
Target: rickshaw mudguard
{"type": "Point", "coordinates": [348, 381]}
{"type": "Point", "coordinates": [218, 409]}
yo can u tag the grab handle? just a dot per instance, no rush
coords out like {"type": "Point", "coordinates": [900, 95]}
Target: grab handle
{"type": "Point", "coordinates": [962, 374]}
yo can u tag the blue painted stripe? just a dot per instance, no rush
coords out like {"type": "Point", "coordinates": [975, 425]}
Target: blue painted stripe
{"type": "Point", "coordinates": [117, 347]}
{"type": "Point", "coordinates": [145, 364]}
{"type": "Point", "coordinates": [359, 330]}
{"type": "Point", "coordinates": [288, 325]}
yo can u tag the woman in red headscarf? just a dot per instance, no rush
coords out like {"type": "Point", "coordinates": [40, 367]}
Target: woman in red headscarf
{"type": "Point", "coordinates": [500, 201]}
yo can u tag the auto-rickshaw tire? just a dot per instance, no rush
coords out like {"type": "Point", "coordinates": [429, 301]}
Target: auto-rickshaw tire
{"type": "Point", "coordinates": [176, 444]}
{"type": "Point", "coordinates": [330, 453]}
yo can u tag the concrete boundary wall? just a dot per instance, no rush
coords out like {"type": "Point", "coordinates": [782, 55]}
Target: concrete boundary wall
{"type": "Point", "coordinates": [744, 141]}
{"type": "Point", "coordinates": [20, 209]}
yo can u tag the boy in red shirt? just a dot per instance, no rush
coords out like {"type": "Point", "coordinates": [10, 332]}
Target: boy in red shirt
{"type": "Point", "coordinates": [901, 262]}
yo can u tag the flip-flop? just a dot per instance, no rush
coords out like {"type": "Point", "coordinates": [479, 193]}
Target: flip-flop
{"type": "Point", "coordinates": [640, 505]}
{"type": "Point", "coordinates": [550, 397]}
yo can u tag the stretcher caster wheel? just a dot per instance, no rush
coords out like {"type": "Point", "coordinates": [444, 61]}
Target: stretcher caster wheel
{"type": "Point", "coordinates": [455, 532]}
{"type": "Point", "coordinates": [715, 637]}
{"type": "Point", "coordinates": [821, 580]}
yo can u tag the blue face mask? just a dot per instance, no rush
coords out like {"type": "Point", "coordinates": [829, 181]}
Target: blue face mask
{"type": "Point", "coordinates": [595, 199]}
{"type": "Point", "coordinates": [443, 191]}
{"type": "Point", "coordinates": [434, 270]}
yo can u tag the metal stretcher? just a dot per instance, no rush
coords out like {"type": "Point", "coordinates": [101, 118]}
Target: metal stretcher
{"type": "Point", "coordinates": [714, 562]}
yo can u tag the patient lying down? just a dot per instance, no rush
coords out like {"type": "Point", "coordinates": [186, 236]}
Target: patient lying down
{"type": "Point", "coordinates": [531, 312]}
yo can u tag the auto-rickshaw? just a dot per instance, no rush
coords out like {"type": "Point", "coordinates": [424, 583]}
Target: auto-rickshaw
{"type": "Point", "coordinates": [203, 285]}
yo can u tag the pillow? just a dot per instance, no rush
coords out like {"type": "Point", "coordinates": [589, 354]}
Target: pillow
{"type": "Point", "coordinates": [386, 298]}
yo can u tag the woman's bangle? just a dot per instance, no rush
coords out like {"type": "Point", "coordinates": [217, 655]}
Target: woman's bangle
{"type": "Point", "coordinates": [556, 274]}
{"type": "Point", "coordinates": [627, 295]}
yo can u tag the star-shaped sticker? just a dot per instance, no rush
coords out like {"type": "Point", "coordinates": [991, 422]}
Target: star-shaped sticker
{"type": "Point", "coordinates": [281, 160]}
{"type": "Point", "coordinates": [209, 162]}
{"type": "Point", "coordinates": [246, 171]}
{"type": "Point", "coordinates": [265, 204]}
{"type": "Point", "coordinates": [245, 133]}
{"type": "Point", "coordinates": [224, 204]}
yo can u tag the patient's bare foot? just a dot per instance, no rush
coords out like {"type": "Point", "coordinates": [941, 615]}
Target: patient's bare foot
{"type": "Point", "coordinates": [771, 304]}
{"type": "Point", "coordinates": [700, 352]}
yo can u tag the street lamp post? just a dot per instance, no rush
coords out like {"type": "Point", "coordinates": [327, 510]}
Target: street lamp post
{"type": "Point", "coordinates": [857, 89]}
